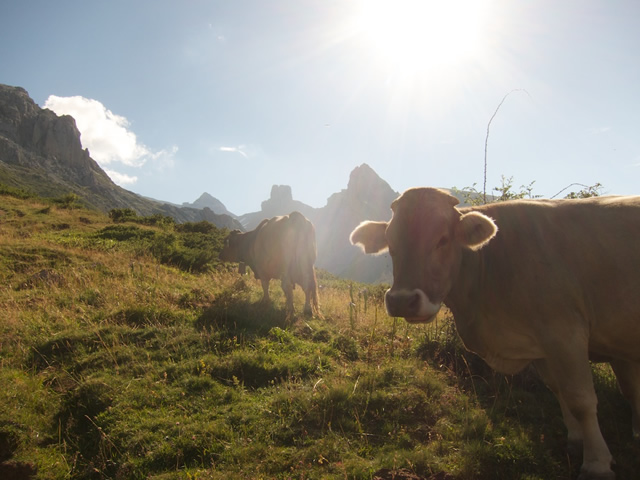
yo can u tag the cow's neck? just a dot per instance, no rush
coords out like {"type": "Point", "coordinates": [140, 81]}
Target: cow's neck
{"type": "Point", "coordinates": [464, 296]}
{"type": "Point", "coordinates": [479, 315]}
{"type": "Point", "coordinates": [245, 250]}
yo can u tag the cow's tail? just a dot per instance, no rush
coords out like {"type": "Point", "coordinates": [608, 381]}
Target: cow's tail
{"type": "Point", "coordinates": [313, 294]}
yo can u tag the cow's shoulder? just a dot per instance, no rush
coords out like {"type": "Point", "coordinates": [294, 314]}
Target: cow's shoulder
{"type": "Point", "coordinates": [262, 224]}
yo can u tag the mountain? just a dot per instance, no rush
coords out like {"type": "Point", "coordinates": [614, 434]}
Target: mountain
{"type": "Point", "coordinates": [41, 152]}
{"type": "Point", "coordinates": [367, 197]}
{"type": "Point", "coordinates": [207, 201]}
{"type": "Point", "coordinates": [280, 202]}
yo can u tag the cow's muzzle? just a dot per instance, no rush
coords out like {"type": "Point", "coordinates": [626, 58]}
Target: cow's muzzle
{"type": "Point", "coordinates": [413, 305]}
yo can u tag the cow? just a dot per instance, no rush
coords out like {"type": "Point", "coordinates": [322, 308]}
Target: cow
{"type": "Point", "coordinates": [281, 247]}
{"type": "Point", "coordinates": [553, 283]}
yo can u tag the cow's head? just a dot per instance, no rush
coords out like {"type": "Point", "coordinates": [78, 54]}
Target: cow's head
{"type": "Point", "coordinates": [231, 252]}
{"type": "Point", "coordinates": [425, 238]}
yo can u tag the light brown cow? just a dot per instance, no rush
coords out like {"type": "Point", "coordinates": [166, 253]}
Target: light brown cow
{"type": "Point", "coordinates": [280, 247]}
{"type": "Point", "coordinates": [548, 282]}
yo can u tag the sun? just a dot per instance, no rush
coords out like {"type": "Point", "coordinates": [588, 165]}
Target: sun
{"type": "Point", "coordinates": [412, 36]}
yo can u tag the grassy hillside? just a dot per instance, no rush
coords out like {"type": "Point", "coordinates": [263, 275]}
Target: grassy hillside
{"type": "Point", "coordinates": [127, 351]}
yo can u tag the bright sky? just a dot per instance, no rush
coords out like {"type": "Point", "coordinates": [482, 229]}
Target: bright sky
{"type": "Point", "coordinates": [177, 98]}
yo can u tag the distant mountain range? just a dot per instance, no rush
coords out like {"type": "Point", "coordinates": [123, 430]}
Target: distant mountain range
{"type": "Point", "coordinates": [41, 152]}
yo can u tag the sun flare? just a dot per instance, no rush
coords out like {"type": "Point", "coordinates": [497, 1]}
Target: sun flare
{"type": "Point", "coordinates": [421, 35]}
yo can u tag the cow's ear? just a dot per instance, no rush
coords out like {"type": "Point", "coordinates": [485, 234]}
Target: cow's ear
{"type": "Point", "coordinates": [475, 230]}
{"type": "Point", "coordinates": [370, 236]}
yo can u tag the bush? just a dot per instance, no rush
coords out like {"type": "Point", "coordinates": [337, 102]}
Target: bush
{"type": "Point", "coordinates": [119, 215]}
{"type": "Point", "coordinates": [191, 251]}
{"type": "Point", "coordinates": [69, 201]}
{"type": "Point", "coordinates": [123, 233]}
{"type": "Point", "coordinates": [197, 227]}
{"type": "Point", "coordinates": [15, 192]}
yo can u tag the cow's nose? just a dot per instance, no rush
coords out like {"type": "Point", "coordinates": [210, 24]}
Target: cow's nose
{"type": "Point", "coordinates": [403, 303]}
{"type": "Point", "coordinates": [413, 305]}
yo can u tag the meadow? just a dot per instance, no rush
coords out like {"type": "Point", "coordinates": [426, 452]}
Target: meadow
{"type": "Point", "coordinates": [128, 351]}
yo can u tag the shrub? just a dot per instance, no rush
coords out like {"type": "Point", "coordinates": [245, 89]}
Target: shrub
{"type": "Point", "coordinates": [15, 192]}
{"type": "Point", "coordinates": [68, 201]}
{"type": "Point", "coordinates": [119, 215]}
{"type": "Point", "coordinates": [123, 233]}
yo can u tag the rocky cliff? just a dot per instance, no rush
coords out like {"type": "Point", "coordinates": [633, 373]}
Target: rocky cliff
{"type": "Point", "coordinates": [36, 144]}
{"type": "Point", "coordinates": [41, 152]}
{"type": "Point", "coordinates": [367, 197]}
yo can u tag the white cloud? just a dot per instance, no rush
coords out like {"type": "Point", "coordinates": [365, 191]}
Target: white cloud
{"type": "Point", "coordinates": [121, 178]}
{"type": "Point", "coordinates": [108, 136]}
{"type": "Point", "coordinates": [239, 149]}
{"type": "Point", "coordinates": [164, 158]}
{"type": "Point", "coordinates": [599, 130]}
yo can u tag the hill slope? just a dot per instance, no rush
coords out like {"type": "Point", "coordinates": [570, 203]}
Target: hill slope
{"type": "Point", "coordinates": [114, 363]}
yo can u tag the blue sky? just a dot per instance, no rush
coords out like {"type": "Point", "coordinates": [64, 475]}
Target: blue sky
{"type": "Point", "coordinates": [177, 98]}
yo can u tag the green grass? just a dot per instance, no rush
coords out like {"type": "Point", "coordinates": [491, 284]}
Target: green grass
{"type": "Point", "coordinates": [120, 362]}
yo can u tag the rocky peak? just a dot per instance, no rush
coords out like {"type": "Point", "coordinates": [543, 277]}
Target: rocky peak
{"type": "Point", "coordinates": [15, 105]}
{"type": "Point", "coordinates": [38, 138]}
{"type": "Point", "coordinates": [366, 193]}
{"type": "Point", "coordinates": [205, 198]}
{"type": "Point", "coordinates": [367, 197]}
{"type": "Point", "coordinates": [280, 202]}
{"type": "Point", "coordinates": [208, 201]}
{"type": "Point", "coordinates": [280, 195]}
{"type": "Point", "coordinates": [363, 179]}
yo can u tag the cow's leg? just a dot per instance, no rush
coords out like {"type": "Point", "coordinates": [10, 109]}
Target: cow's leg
{"type": "Point", "coordinates": [628, 375]}
{"type": "Point", "coordinates": [569, 371]}
{"type": "Point", "coordinates": [310, 286]}
{"type": "Point", "coordinates": [265, 291]}
{"type": "Point", "coordinates": [287, 288]}
{"type": "Point", "coordinates": [574, 431]}
{"type": "Point", "coordinates": [307, 301]}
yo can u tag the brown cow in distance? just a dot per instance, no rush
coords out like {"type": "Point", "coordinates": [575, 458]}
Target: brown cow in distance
{"type": "Point", "coordinates": [280, 247]}
{"type": "Point", "coordinates": [549, 282]}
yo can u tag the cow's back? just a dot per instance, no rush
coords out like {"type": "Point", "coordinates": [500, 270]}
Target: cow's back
{"type": "Point", "coordinates": [270, 246]}
{"type": "Point", "coordinates": [302, 265]}
{"type": "Point", "coordinates": [285, 244]}
{"type": "Point", "coordinates": [560, 259]}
